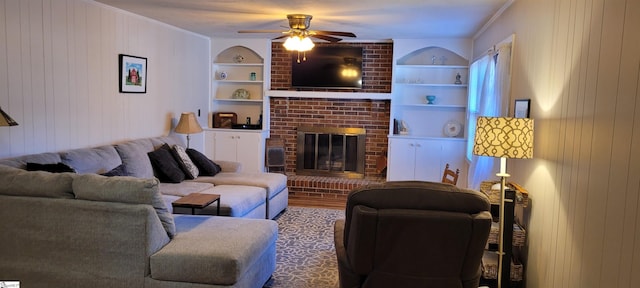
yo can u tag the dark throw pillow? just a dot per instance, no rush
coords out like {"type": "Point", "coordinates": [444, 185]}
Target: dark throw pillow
{"type": "Point", "coordinates": [118, 171]}
{"type": "Point", "coordinates": [166, 166]}
{"type": "Point", "coordinates": [204, 164]}
{"type": "Point", "coordinates": [53, 168]}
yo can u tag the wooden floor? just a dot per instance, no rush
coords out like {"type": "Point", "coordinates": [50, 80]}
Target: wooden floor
{"type": "Point", "coordinates": [317, 203]}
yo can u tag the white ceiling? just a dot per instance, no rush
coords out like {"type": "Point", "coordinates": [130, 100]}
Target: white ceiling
{"type": "Point", "coordinates": [368, 19]}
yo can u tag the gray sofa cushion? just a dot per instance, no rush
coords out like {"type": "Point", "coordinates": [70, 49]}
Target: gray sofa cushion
{"type": "Point", "coordinates": [42, 158]}
{"type": "Point", "coordinates": [185, 188]}
{"type": "Point", "coordinates": [124, 190]}
{"type": "Point", "coordinates": [273, 182]}
{"type": "Point", "coordinates": [201, 254]}
{"type": "Point", "coordinates": [18, 182]}
{"type": "Point", "coordinates": [92, 160]}
{"type": "Point", "coordinates": [238, 200]}
{"type": "Point", "coordinates": [172, 139]}
{"type": "Point", "coordinates": [135, 159]}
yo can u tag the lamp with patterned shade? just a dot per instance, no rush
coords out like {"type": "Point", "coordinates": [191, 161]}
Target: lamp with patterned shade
{"type": "Point", "coordinates": [503, 137]}
{"type": "Point", "coordinates": [188, 125]}
{"type": "Point", "coordinates": [6, 120]}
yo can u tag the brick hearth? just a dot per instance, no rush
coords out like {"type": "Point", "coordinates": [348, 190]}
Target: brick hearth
{"type": "Point", "coordinates": [287, 113]}
{"type": "Point", "coordinates": [328, 188]}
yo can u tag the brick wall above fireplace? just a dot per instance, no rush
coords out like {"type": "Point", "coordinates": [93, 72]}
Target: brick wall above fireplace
{"type": "Point", "coordinates": [288, 113]}
{"type": "Point", "coordinates": [377, 65]}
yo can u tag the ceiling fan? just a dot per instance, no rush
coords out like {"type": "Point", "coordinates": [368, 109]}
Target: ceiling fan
{"type": "Point", "coordinates": [299, 27]}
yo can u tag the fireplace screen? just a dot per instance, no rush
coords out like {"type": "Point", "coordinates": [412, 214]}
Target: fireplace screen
{"type": "Point", "coordinates": [327, 151]}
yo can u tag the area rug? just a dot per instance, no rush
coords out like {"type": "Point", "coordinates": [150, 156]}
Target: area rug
{"type": "Point", "coordinates": [306, 256]}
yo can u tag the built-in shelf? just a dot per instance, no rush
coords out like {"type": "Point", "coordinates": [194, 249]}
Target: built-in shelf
{"type": "Point", "coordinates": [238, 64]}
{"type": "Point", "coordinates": [433, 84]}
{"type": "Point", "coordinates": [425, 149]}
{"type": "Point", "coordinates": [240, 81]}
{"type": "Point", "coordinates": [235, 69]}
{"type": "Point", "coordinates": [433, 106]}
{"type": "Point", "coordinates": [431, 66]}
{"type": "Point", "coordinates": [238, 100]}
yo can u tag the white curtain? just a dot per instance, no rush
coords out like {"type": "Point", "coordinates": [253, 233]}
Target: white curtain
{"type": "Point", "coordinates": [489, 96]}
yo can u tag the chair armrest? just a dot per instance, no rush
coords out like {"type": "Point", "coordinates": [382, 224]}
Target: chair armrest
{"type": "Point", "coordinates": [347, 277]}
{"type": "Point", "coordinates": [359, 249]}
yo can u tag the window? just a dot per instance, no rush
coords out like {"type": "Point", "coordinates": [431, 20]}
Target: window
{"type": "Point", "coordinates": [489, 84]}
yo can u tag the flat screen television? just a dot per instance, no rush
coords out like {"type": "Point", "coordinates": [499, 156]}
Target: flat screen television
{"type": "Point", "coordinates": [328, 67]}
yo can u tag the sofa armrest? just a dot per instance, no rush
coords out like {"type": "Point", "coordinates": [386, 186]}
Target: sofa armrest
{"type": "Point", "coordinates": [229, 166]}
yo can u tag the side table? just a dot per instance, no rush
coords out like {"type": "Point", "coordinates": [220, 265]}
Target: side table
{"type": "Point", "coordinates": [199, 201]}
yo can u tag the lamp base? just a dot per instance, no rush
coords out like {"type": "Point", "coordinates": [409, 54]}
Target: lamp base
{"type": "Point", "coordinates": [503, 185]}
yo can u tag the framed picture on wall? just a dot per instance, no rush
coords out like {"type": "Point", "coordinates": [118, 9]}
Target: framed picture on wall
{"type": "Point", "coordinates": [133, 74]}
{"type": "Point", "coordinates": [521, 108]}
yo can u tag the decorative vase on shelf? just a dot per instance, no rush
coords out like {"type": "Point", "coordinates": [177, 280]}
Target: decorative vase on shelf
{"type": "Point", "coordinates": [430, 99]}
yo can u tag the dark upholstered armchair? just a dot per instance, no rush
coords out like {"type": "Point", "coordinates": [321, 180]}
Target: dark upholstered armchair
{"type": "Point", "coordinates": [412, 234]}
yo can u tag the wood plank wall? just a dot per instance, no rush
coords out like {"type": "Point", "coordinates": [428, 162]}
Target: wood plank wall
{"type": "Point", "coordinates": [579, 63]}
{"type": "Point", "coordinates": [59, 75]}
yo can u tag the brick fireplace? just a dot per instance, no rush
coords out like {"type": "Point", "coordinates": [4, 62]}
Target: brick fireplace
{"type": "Point", "coordinates": [339, 111]}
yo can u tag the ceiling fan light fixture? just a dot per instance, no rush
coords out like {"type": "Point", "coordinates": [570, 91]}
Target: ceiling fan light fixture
{"type": "Point", "coordinates": [297, 43]}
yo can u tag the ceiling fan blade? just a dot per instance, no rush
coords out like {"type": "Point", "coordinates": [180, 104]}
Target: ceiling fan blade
{"type": "Point", "coordinates": [326, 38]}
{"type": "Point", "coordinates": [280, 37]}
{"type": "Point", "coordinates": [334, 33]}
{"type": "Point", "coordinates": [261, 31]}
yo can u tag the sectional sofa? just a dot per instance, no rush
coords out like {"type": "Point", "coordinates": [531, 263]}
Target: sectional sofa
{"type": "Point", "coordinates": [245, 195]}
{"type": "Point", "coordinates": [82, 229]}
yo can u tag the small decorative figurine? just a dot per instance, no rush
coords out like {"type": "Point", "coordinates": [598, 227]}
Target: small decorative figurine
{"type": "Point", "coordinates": [433, 59]}
{"type": "Point", "coordinates": [458, 77]}
{"type": "Point", "coordinates": [404, 130]}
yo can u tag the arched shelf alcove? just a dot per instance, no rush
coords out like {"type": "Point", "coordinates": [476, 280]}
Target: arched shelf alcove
{"type": "Point", "coordinates": [433, 55]}
{"type": "Point", "coordinates": [238, 55]}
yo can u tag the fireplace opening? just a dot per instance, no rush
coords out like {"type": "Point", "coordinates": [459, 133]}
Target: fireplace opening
{"type": "Point", "coordinates": [330, 151]}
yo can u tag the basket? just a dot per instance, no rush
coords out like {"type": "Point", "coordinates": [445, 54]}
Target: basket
{"type": "Point", "coordinates": [490, 267]}
{"type": "Point", "coordinates": [522, 195]}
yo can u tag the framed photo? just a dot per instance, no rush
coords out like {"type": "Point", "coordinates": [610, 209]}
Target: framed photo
{"type": "Point", "coordinates": [521, 109]}
{"type": "Point", "coordinates": [133, 74]}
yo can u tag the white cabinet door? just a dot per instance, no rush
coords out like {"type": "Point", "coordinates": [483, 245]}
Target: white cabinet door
{"type": "Point", "coordinates": [402, 158]}
{"type": "Point", "coordinates": [424, 160]}
{"type": "Point", "coordinates": [225, 147]}
{"type": "Point", "coordinates": [249, 152]}
{"type": "Point", "coordinates": [209, 144]}
{"type": "Point", "coordinates": [244, 147]}
{"type": "Point", "coordinates": [427, 164]}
